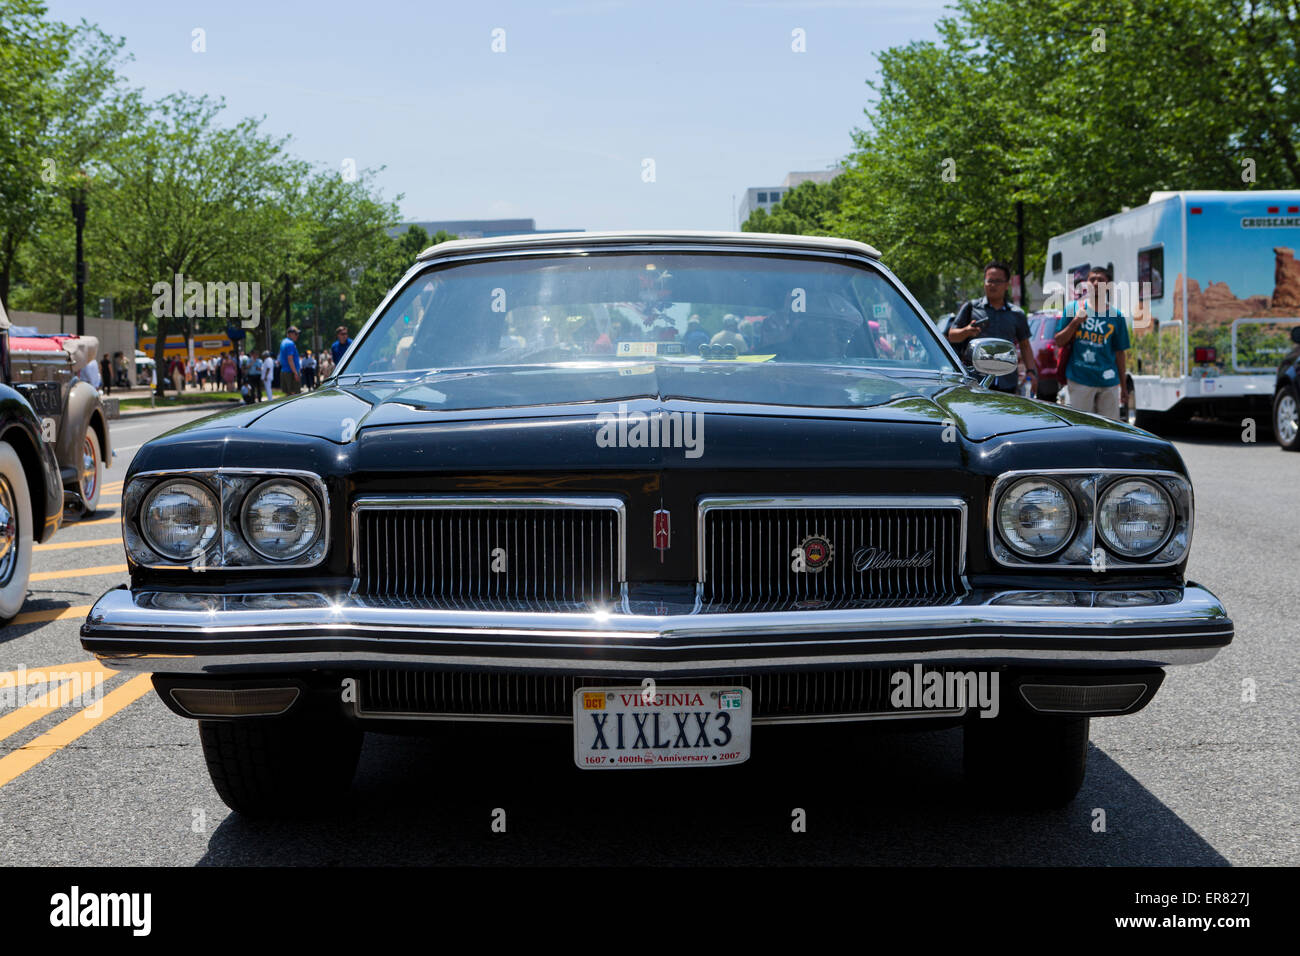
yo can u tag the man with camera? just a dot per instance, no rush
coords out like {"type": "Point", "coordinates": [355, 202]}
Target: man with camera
{"type": "Point", "coordinates": [994, 317]}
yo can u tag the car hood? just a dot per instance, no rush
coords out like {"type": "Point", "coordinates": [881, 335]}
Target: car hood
{"type": "Point", "coordinates": [339, 412]}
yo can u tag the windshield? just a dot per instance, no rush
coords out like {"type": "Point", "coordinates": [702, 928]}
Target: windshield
{"type": "Point", "coordinates": [646, 307]}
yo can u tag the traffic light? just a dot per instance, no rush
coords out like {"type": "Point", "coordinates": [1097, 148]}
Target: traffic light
{"type": "Point", "coordinates": [105, 307]}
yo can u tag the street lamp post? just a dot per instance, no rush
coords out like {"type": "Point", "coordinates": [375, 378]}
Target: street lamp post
{"type": "Point", "coordinates": [79, 217]}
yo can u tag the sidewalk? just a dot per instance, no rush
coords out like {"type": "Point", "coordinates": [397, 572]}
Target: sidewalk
{"type": "Point", "coordinates": [219, 400]}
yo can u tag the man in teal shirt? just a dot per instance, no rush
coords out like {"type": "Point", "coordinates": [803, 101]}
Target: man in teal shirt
{"type": "Point", "coordinates": [1097, 370]}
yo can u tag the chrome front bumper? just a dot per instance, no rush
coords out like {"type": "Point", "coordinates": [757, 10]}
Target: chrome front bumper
{"type": "Point", "coordinates": [233, 634]}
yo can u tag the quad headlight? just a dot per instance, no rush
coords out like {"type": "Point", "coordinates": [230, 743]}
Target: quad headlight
{"type": "Point", "coordinates": [1036, 517]}
{"type": "Point", "coordinates": [1098, 519]}
{"type": "Point", "coordinates": [179, 519]}
{"type": "Point", "coordinates": [207, 519]}
{"type": "Point", "coordinates": [1135, 517]}
{"type": "Point", "coordinates": [280, 519]}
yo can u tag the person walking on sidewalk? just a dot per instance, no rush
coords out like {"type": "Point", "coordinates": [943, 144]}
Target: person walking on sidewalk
{"type": "Point", "coordinates": [1097, 333]}
{"type": "Point", "coordinates": [268, 373]}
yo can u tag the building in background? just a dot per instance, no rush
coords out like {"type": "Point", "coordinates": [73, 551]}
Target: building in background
{"type": "Point", "coordinates": [479, 228]}
{"type": "Point", "coordinates": [765, 197]}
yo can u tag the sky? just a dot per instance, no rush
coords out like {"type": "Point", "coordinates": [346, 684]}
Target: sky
{"type": "Point", "coordinates": [558, 126]}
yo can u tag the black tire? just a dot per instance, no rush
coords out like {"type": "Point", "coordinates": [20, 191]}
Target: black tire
{"type": "Point", "coordinates": [280, 767]}
{"type": "Point", "coordinates": [1286, 432]}
{"type": "Point", "coordinates": [1025, 760]}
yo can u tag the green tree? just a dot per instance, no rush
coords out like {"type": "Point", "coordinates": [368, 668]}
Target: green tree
{"type": "Point", "coordinates": [1073, 109]}
{"type": "Point", "coordinates": [394, 258]}
{"type": "Point", "coordinates": [808, 209]}
{"type": "Point", "coordinates": [63, 102]}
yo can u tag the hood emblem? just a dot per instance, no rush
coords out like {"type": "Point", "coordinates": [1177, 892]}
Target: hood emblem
{"type": "Point", "coordinates": [662, 532]}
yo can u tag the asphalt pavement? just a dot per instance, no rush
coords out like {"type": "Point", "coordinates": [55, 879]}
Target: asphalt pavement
{"type": "Point", "coordinates": [1205, 775]}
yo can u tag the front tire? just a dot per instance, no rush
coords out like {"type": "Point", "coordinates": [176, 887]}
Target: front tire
{"type": "Point", "coordinates": [1025, 760]}
{"type": "Point", "coordinates": [90, 470]}
{"type": "Point", "coordinates": [15, 533]}
{"type": "Point", "coordinates": [280, 767]}
{"type": "Point", "coordinates": [1286, 418]}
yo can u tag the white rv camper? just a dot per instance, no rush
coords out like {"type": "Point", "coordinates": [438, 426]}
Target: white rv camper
{"type": "Point", "coordinates": [1211, 286]}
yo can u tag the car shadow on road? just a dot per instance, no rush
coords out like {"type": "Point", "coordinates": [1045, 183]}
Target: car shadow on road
{"type": "Point", "coordinates": [868, 798]}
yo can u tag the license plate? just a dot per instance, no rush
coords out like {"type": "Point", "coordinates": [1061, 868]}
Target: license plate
{"type": "Point", "coordinates": [625, 728]}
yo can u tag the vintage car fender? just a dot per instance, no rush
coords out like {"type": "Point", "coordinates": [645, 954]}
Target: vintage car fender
{"type": "Point", "coordinates": [21, 429]}
{"type": "Point", "coordinates": [84, 410]}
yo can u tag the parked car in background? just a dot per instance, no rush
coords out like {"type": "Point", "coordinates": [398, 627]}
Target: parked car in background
{"type": "Point", "coordinates": [482, 516]}
{"type": "Point", "coordinates": [44, 369]}
{"type": "Point", "coordinates": [31, 492]}
{"type": "Point", "coordinates": [144, 368]}
{"type": "Point", "coordinates": [1042, 329]}
{"type": "Point", "coordinates": [943, 323]}
{"type": "Point", "coordinates": [1286, 398]}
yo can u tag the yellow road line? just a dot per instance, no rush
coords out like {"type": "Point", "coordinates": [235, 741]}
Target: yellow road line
{"type": "Point", "coordinates": [57, 737]}
{"type": "Point", "coordinates": [89, 675]}
{"type": "Point", "coordinates": [54, 614]}
{"type": "Point", "coordinates": [86, 524]}
{"type": "Point", "coordinates": [65, 545]}
{"type": "Point", "coordinates": [36, 676]}
{"type": "Point", "coordinates": [79, 572]}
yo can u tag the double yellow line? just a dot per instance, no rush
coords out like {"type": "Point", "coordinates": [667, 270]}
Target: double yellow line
{"type": "Point", "coordinates": [90, 675]}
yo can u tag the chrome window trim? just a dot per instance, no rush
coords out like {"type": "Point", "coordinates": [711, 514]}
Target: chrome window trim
{"type": "Point", "coordinates": [749, 502]}
{"type": "Point", "coordinates": [313, 481]}
{"type": "Point", "coordinates": [422, 502]}
{"type": "Point", "coordinates": [685, 245]}
{"type": "Point", "coordinates": [1119, 562]}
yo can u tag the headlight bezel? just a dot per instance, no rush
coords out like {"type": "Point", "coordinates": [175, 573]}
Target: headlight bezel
{"type": "Point", "coordinates": [1087, 485]}
{"type": "Point", "coordinates": [209, 541]}
{"type": "Point", "coordinates": [1104, 491]}
{"type": "Point", "coordinates": [230, 487]}
{"type": "Point", "coordinates": [259, 488]}
{"type": "Point", "coordinates": [1069, 535]}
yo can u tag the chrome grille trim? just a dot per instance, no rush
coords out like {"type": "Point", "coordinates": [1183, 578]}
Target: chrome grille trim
{"type": "Point", "coordinates": [377, 577]}
{"type": "Point", "coordinates": [741, 589]}
{"type": "Point", "coordinates": [779, 697]}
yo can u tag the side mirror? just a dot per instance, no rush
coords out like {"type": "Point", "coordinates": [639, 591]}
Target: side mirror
{"type": "Point", "coordinates": [1295, 334]}
{"type": "Point", "coordinates": [993, 358]}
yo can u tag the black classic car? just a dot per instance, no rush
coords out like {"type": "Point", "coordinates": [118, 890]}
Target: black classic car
{"type": "Point", "coordinates": [666, 489]}
{"type": "Point", "coordinates": [1286, 398]}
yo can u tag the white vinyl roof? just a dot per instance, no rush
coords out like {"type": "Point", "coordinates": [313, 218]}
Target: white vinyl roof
{"type": "Point", "coordinates": [758, 240]}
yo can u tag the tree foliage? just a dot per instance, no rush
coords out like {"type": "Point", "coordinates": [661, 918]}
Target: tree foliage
{"type": "Point", "coordinates": [1074, 108]}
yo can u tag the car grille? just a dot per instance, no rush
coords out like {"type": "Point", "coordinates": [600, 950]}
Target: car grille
{"type": "Point", "coordinates": [872, 554]}
{"type": "Point", "coordinates": [777, 696]}
{"type": "Point", "coordinates": [504, 552]}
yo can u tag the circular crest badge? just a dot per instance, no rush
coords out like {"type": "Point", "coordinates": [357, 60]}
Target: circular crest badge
{"type": "Point", "coordinates": [817, 553]}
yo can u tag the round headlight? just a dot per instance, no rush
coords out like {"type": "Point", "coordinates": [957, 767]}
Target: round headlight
{"type": "Point", "coordinates": [1135, 517]}
{"type": "Point", "coordinates": [1036, 517]}
{"type": "Point", "coordinates": [179, 519]}
{"type": "Point", "coordinates": [281, 519]}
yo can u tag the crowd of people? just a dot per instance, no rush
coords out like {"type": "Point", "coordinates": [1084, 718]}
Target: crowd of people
{"type": "Point", "coordinates": [255, 376]}
{"type": "Point", "coordinates": [1091, 335]}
